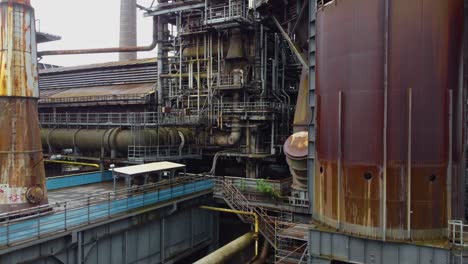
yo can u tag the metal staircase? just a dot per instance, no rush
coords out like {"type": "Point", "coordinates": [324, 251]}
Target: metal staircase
{"type": "Point", "coordinates": [289, 239]}
{"type": "Point", "coordinates": [291, 243]}
{"type": "Point", "coordinates": [236, 200]}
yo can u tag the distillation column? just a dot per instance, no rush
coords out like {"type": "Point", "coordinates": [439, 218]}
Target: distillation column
{"type": "Point", "coordinates": [22, 175]}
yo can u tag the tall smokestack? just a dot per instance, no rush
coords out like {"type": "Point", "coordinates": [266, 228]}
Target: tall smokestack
{"type": "Point", "coordinates": [22, 176]}
{"type": "Point", "coordinates": [128, 28]}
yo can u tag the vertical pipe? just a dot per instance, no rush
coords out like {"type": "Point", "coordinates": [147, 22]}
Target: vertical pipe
{"type": "Point", "coordinates": [340, 155]}
{"type": "Point", "coordinates": [219, 62]}
{"type": "Point", "coordinates": [179, 19]}
{"type": "Point", "coordinates": [385, 124]}
{"type": "Point", "coordinates": [449, 166]}
{"type": "Point", "coordinates": [128, 28]}
{"type": "Point", "coordinates": [409, 165]}
{"type": "Point", "coordinates": [160, 62]}
{"type": "Point", "coordinates": [198, 78]}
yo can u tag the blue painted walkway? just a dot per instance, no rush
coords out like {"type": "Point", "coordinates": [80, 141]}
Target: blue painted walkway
{"type": "Point", "coordinates": [74, 217]}
{"type": "Point", "coordinates": [61, 182]}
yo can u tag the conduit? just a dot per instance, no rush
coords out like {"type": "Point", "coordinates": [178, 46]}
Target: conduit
{"type": "Point", "coordinates": [73, 163]}
{"type": "Point", "coordinates": [114, 139]}
{"type": "Point", "coordinates": [151, 47]}
{"type": "Point", "coordinates": [231, 211]}
{"type": "Point", "coordinates": [228, 251]}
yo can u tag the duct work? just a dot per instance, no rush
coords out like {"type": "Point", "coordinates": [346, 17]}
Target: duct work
{"type": "Point", "coordinates": [296, 147]}
{"type": "Point", "coordinates": [113, 140]}
{"type": "Point", "coordinates": [128, 28]}
{"type": "Point", "coordinates": [22, 176]}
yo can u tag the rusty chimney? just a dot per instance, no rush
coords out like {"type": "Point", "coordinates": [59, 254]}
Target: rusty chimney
{"type": "Point", "coordinates": [128, 28]}
{"type": "Point", "coordinates": [22, 176]}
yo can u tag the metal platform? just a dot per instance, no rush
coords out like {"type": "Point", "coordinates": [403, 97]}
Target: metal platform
{"type": "Point", "coordinates": [147, 119]}
{"type": "Point", "coordinates": [62, 216]}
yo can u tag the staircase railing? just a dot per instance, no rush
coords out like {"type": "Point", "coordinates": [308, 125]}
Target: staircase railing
{"type": "Point", "coordinates": [236, 200]}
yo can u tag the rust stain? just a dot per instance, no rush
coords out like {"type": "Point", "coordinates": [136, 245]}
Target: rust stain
{"type": "Point", "coordinates": [424, 54]}
{"type": "Point", "coordinates": [21, 165]}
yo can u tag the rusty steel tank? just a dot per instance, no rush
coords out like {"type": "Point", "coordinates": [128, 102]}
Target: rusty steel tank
{"type": "Point", "coordinates": [22, 176]}
{"type": "Point", "coordinates": [390, 160]}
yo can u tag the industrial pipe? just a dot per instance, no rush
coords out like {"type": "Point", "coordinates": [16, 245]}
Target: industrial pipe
{"type": "Point", "coordinates": [292, 45]}
{"type": "Point", "coordinates": [231, 211]}
{"type": "Point", "coordinates": [262, 258]}
{"type": "Point", "coordinates": [106, 50]}
{"type": "Point", "coordinates": [230, 139]}
{"type": "Point", "coordinates": [73, 163]}
{"type": "Point", "coordinates": [228, 251]}
{"type": "Point", "coordinates": [22, 175]}
{"type": "Point", "coordinates": [114, 139]}
{"type": "Point", "coordinates": [296, 146]}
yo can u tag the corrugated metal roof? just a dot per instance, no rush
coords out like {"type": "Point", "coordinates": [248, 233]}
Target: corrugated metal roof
{"type": "Point", "coordinates": [144, 88]}
{"type": "Point", "coordinates": [46, 93]}
{"type": "Point", "coordinates": [149, 167]}
{"type": "Point", "coordinates": [104, 74]}
{"type": "Point", "coordinates": [100, 66]}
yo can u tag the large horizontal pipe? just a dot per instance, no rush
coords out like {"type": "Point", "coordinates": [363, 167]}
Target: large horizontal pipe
{"type": "Point", "coordinates": [114, 139]}
{"type": "Point", "coordinates": [106, 50]}
{"type": "Point", "coordinates": [228, 251]}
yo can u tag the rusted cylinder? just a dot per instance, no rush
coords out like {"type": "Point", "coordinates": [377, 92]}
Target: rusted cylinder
{"type": "Point", "coordinates": [22, 176]}
{"type": "Point", "coordinates": [397, 149]}
{"type": "Point", "coordinates": [114, 139]}
{"type": "Point", "coordinates": [296, 148]}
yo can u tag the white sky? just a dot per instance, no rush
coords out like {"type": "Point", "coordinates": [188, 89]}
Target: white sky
{"type": "Point", "coordinates": [86, 24]}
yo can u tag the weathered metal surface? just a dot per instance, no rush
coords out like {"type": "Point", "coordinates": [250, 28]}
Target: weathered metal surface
{"type": "Point", "coordinates": [302, 114]}
{"type": "Point", "coordinates": [91, 140]}
{"type": "Point", "coordinates": [228, 251]}
{"type": "Point", "coordinates": [21, 164]}
{"type": "Point", "coordinates": [296, 148]}
{"type": "Point", "coordinates": [424, 49]}
{"type": "Point", "coordinates": [22, 177]}
{"type": "Point", "coordinates": [18, 75]}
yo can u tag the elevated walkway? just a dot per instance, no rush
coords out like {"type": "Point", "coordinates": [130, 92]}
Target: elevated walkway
{"type": "Point", "coordinates": [62, 216]}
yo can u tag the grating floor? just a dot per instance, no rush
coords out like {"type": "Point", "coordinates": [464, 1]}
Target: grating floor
{"type": "Point", "coordinates": [74, 193]}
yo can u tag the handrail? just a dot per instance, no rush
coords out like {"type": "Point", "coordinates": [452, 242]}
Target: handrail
{"type": "Point", "coordinates": [457, 233]}
{"type": "Point", "coordinates": [118, 119]}
{"type": "Point", "coordinates": [294, 251]}
{"type": "Point", "coordinates": [119, 193]}
{"type": "Point", "coordinates": [238, 201]}
{"type": "Point", "coordinates": [25, 225]}
{"type": "Point", "coordinates": [224, 210]}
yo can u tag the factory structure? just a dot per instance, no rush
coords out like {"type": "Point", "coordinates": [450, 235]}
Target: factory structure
{"type": "Point", "coordinates": [259, 131]}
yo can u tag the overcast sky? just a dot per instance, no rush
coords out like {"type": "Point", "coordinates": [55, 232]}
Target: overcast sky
{"type": "Point", "coordinates": [86, 24]}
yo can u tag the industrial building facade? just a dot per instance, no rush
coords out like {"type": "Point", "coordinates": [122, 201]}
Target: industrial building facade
{"type": "Point", "coordinates": [334, 130]}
